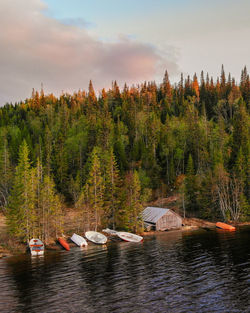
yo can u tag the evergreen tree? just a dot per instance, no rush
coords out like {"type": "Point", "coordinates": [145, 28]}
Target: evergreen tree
{"type": "Point", "coordinates": [6, 174]}
{"type": "Point", "coordinates": [51, 210]}
{"type": "Point", "coordinates": [94, 190]}
{"type": "Point", "coordinates": [112, 190]}
{"type": "Point", "coordinates": [191, 185]}
{"type": "Point", "coordinates": [21, 205]}
{"type": "Point", "coordinates": [133, 206]}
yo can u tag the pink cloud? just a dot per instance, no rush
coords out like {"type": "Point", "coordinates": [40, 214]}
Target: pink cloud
{"type": "Point", "coordinates": [37, 49]}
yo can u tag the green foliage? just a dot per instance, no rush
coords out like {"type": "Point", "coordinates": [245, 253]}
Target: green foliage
{"type": "Point", "coordinates": [33, 204]}
{"type": "Point", "coordinates": [132, 203]}
{"type": "Point", "coordinates": [112, 188]}
{"type": "Point", "coordinates": [191, 186]}
{"type": "Point", "coordinates": [158, 133]}
{"type": "Point", "coordinates": [92, 192]}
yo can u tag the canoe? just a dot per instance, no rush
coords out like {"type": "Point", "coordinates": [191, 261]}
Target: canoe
{"type": "Point", "coordinates": [63, 243]}
{"type": "Point", "coordinates": [79, 240]}
{"type": "Point", "coordinates": [96, 237]}
{"type": "Point", "coordinates": [224, 226]}
{"type": "Point", "coordinates": [129, 236]}
{"type": "Point", "coordinates": [36, 247]}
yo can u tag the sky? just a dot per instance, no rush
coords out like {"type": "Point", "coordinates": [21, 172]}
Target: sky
{"type": "Point", "coordinates": [62, 44]}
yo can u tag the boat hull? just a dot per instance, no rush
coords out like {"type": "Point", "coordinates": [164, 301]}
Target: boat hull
{"type": "Point", "coordinates": [63, 243]}
{"type": "Point", "coordinates": [129, 237]}
{"type": "Point", "coordinates": [225, 226]}
{"type": "Point", "coordinates": [36, 247]}
{"type": "Point", "coordinates": [96, 237]}
{"type": "Point", "coordinates": [79, 240]}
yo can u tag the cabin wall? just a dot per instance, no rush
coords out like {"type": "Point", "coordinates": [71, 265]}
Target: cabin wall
{"type": "Point", "coordinates": [169, 221]}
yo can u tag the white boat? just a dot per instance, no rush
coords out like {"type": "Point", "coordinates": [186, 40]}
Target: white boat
{"type": "Point", "coordinates": [129, 236]}
{"type": "Point", "coordinates": [36, 247]}
{"type": "Point", "coordinates": [109, 231]}
{"type": "Point", "coordinates": [96, 237]}
{"type": "Point", "coordinates": [79, 240]}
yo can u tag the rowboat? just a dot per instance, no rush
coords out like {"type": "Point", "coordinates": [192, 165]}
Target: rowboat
{"type": "Point", "coordinates": [224, 226]}
{"type": "Point", "coordinates": [36, 247]}
{"type": "Point", "coordinates": [96, 237]}
{"type": "Point", "coordinates": [63, 243]}
{"type": "Point", "coordinates": [129, 236]}
{"type": "Point", "coordinates": [79, 240]}
{"type": "Point", "coordinates": [109, 231]}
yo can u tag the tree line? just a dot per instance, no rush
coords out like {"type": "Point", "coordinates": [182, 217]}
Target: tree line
{"type": "Point", "coordinates": [110, 154]}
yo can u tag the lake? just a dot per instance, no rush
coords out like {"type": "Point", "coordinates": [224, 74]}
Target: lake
{"type": "Point", "coordinates": [190, 271]}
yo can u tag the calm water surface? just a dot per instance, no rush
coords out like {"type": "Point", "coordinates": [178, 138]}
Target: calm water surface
{"type": "Point", "coordinates": [198, 271]}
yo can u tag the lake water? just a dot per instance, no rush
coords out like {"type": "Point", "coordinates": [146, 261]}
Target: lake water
{"type": "Point", "coordinates": [196, 271]}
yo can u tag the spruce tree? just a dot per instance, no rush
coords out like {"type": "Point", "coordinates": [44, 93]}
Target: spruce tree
{"type": "Point", "coordinates": [21, 205]}
{"type": "Point", "coordinates": [112, 190]}
{"type": "Point", "coordinates": [190, 185]}
{"type": "Point", "coordinates": [95, 189]}
{"type": "Point", "coordinates": [133, 204]}
{"type": "Point", "coordinates": [6, 174]}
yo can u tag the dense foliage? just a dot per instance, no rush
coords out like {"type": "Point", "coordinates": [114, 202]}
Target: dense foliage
{"type": "Point", "coordinates": [111, 153]}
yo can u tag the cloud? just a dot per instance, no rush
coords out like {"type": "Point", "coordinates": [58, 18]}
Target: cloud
{"type": "Point", "coordinates": [79, 22]}
{"type": "Point", "coordinates": [35, 49]}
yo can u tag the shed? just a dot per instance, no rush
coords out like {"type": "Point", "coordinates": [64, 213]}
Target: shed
{"type": "Point", "coordinates": [161, 218]}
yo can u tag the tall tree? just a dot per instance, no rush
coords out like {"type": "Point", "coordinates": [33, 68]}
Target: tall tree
{"type": "Point", "coordinates": [94, 189]}
{"type": "Point", "coordinates": [21, 205]}
{"type": "Point", "coordinates": [6, 173]}
{"type": "Point", "coordinates": [133, 204]}
{"type": "Point", "coordinates": [112, 190]}
{"type": "Point", "coordinates": [191, 186]}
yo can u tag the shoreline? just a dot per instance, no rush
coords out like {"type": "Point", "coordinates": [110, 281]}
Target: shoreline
{"type": "Point", "coordinates": [9, 246]}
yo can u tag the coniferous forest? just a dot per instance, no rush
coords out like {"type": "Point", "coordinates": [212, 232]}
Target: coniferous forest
{"type": "Point", "coordinates": [109, 154]}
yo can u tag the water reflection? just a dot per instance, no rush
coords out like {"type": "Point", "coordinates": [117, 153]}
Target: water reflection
{"type": "Point", "coordinates": [201, 271]}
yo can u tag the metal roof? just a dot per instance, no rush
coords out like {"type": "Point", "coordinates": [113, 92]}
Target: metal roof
{"type": "Point", "coordinates": [153, 214]}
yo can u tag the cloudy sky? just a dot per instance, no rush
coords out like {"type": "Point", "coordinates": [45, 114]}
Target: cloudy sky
{"type": "Point", "coordinates": [65, 43]}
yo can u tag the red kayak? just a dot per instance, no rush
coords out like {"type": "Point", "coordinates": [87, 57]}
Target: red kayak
{"type": "Point", "coordinates": [64, 243]}
{"type": "Point", "coordinates": [225, 226]}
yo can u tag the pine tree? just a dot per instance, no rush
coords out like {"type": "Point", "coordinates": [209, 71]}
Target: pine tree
{"type": "Point", "coordinates": [6, 174]}
{"type": "Point", "coordinates": [190, 185]}
{"type": "Point", "coordinates": [112, 190]}
{"type": "Point", "coordinates": [132, 206]}
{"type": "Point", "coordinates": [167, 86]}
{"type": "Point", "coordinates": [195, 86]}
{"type": "Point", "coordinates": [94, 189]}
{"type": "Point", "coordinates": [21, 205]}
{"type": "Point", "coordinates": [51, 210]}
{"type": "Point", "coordinates": [91, 94]}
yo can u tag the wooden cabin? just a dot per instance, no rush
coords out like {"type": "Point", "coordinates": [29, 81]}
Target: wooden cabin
{"type": "Point", "coordinates": [161, 219]}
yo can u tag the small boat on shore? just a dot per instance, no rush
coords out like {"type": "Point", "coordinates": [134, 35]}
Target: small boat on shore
{"type": "Point", "coordinates": [224, 226]}
{"type": "Point", "coordinates": [79, 240]}
{"type": "Point", "coordinates": [109, 231]}
{"type": "Point", "coordinates": [36, 247]}
{"type": "Point", "coordinates": [129, 236]}
{"type": "Point", "coordinates": [96, 237]}
{"type": "Point", "coordinates": [63, 243]}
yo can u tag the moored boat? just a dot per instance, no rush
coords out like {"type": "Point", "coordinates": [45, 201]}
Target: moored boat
{"type": "Point", "coordinates": [224, 226]}
{"type": "Point", "coordinates": [129, 236]}
{"type": "Point", "coordinates": [36, 247]}
{"type": "Point", "coordinates": [96, 237]}
{"type": "Point", "coordinates": [63, 243]}
{"type": "Point", "coordinates": [109, 231]}
{"type": "Point", "coordinates": [79, 240]}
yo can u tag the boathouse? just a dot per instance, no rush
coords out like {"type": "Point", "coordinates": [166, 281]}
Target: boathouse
{"type": "Point", "coordinates": [161, 219]}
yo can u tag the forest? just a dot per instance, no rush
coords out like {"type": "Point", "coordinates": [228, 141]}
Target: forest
{"type": "Point", "coordinates": [109, 154]}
